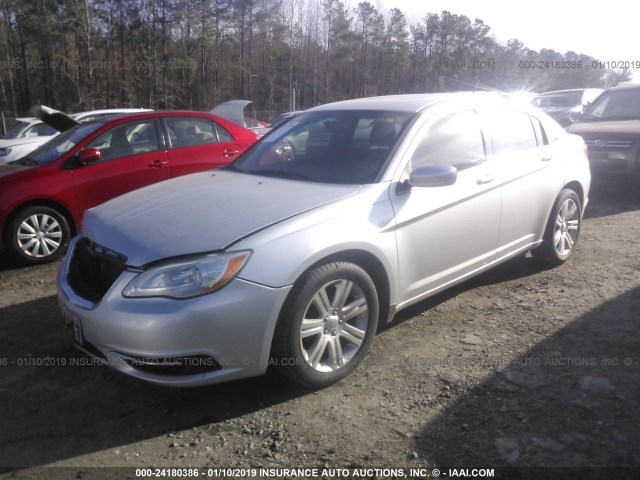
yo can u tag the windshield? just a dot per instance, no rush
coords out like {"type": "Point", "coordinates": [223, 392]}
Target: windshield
{"type": "Point", "coordinates": [58, 146]}
{"type": "Point", "coordinates": [614, 105]}
{"type": "Point", "coordinates": [564, 100]}
{"type": "Point", "coordinates": [15, 130]}
{"type": "Point", "coordinates": [349, 147]}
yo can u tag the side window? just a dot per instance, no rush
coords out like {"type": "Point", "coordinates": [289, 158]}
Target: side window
{"type": "Point", "coordinates": [510, 130]}
{"type": "Point", "coordinates": [552, 130]}
{"type": "Point", "coordinates": [541, 135]}
{"type": "Point", "coordinates": [128, 139]}
{"type": "Point", "coordinates": [223, 135]}
{"type": "Point", "coordinates": [191, 131]}
{"type": "Point", "coordinates": [453, 140]}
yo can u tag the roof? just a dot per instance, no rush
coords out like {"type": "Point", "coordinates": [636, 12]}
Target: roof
{"type": "Point", "coordinates": [570, 90]}
{"type": "Point", "coordinates": [626, 86]}
{"type": "Point", "coordinates": [409, 102]}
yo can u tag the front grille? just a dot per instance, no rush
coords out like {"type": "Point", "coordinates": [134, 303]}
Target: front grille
{"type": "Point", "coordinates": [93, 269]}
{"type": "Point", "coordinates": [609, 144]}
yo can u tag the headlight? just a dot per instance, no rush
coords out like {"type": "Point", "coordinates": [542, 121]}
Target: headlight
{"type": "Point", "coordinates": [4, 152]}
{"type": "Point", "coordinates": [189, 278]}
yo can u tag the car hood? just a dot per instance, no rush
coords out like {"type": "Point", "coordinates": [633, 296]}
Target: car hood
{"type": "Point", "coordinates": [9, 172]}
{"type": "Point", "coordinates": [618, 127]}
{"type": "Point", "coordinates": [14, 142]}
{"type": "Point", "coordinates": [200, 213]}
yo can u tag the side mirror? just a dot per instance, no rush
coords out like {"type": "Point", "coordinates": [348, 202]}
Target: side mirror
{"type": "Point", "coordinates": [433, 176]}
{"type": "Point", "coordinates": [89, 155]}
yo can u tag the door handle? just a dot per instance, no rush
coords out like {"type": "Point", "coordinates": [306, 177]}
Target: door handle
{"type": "Point", "coordinates": [230, 152]}
{"type": "Point", "coordinates": [158, 164]}
{"type": "Point", "coordinates": [486, 179]}
{"type": "Point", "coordinates": [546, 158]}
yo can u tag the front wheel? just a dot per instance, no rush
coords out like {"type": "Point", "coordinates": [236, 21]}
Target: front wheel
{"type": "Point", "coordinates": [562, 230]}
{"type": "Point", "coordinates": [327, 325]}
{"type": "Point", "coordinates": [37, 234]}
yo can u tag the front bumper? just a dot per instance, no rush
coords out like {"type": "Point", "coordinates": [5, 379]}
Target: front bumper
{"type": "Point", "coordinates": [622, 160]}
{"type": "Point", "coordinates": [229, 330]}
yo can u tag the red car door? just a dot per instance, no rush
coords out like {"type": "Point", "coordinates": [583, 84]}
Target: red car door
{"type": "Point", "coordinates": [131, 157]}
{"type": "Point", "coordinates": [197, 144]}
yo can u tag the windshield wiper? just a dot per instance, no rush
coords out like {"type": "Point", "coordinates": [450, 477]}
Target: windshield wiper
{"type": "Point", "coordinates": [27, 161]}
{"type": "Point", "coordinates": [280, 174]}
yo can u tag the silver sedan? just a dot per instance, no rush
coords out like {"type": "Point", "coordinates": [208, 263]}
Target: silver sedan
{"type": "Point", "coordinates": [293, 255]}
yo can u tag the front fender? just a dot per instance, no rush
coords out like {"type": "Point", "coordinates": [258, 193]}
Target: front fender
{"type": "Point", "coordinates": [363, 223]}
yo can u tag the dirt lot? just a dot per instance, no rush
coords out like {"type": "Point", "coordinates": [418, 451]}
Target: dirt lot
{"type": "Point", "coordinates": [521, 367]}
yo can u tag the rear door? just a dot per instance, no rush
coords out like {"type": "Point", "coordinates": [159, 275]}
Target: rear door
{"type": "Point", "coordinates": [131, 157]}
{"type": "Point", "coordinates": [524, 165]}
{"type": "Point", "coordinates": [197, 144]}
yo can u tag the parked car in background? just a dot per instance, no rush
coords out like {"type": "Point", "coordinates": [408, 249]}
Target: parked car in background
{"type": "Point", "coordinates": [29, 133]}
{"type": "Point", "coordinates": [27, 127]}
{"type": "Point", "coordinates": [252, 123]}
{"type": "Point", "coordinates": [564, 106]}
{"type": "Point", "coordinates": [282, 118]}
{"type": "Point", "coordinates": [94, 114]}
{"type": "Point", "coordinates": [43, 196]}
{"type": "Point", "coordinates": [25, 136]}
{"type": "Point", "coordinates": [610, 127]}
{"type": "Point", "coordinates": [381, 203]}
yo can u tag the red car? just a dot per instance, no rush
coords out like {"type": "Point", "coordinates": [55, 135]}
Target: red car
{"type": "Point", "coordinates": [44, 195]}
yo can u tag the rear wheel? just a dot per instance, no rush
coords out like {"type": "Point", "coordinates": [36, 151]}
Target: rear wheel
{"type": "Point", "coordinates": [562, 231]}
{"type": "Point", "coordinates": [326, 325]}
{"type": "Point", "coordinates": [37, 234]}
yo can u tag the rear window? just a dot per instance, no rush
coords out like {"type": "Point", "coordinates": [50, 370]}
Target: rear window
{"type": "Point", "coordinates": [191, 131]}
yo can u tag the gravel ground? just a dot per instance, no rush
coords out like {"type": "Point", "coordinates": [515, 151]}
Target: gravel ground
{"type": "Point", "coordinates": [520, 367]}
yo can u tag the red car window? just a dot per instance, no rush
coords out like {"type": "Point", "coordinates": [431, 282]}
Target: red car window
{"type": "Point", "coordinates": [128, 139]}
{"type": "Point", "coordinates": [190, 131]}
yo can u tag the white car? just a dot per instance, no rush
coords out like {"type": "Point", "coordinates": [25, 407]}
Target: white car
{"type": "Point", "coordinates": [25, 136]}
{"type": "Point", "coordinates": [292, 255]}
{"type": "Point", "coordinates": [29, 132]}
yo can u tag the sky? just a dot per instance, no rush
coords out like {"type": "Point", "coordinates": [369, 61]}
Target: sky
{"type": "Point", "coordinates": [606, 30]}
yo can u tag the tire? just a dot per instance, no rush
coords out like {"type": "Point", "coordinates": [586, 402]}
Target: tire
{"type": "Point", "coordinates": [562, 231]}
{"type": "Point", "coordinates": [37, 235]}
{"type": "Point", "coordinates": [326, 325]}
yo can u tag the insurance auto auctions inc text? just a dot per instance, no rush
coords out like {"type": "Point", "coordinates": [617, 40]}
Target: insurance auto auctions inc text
{"type": "Point", "coordinates": [346, 473]}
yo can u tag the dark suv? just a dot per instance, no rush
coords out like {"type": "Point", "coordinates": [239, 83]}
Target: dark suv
{"type": "Point", "coordinates": [610, 127]}
{"type": "Point", "coordinates": [565, 105]}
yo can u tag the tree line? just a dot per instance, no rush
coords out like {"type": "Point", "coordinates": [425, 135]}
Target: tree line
{"type": "Point", "coordinates": [77, 55]}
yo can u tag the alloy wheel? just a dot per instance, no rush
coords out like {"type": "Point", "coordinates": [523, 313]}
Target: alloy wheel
{"type": "Point", "coordinates": [334, 325]}
{"type": "Point", "coordinates": [39, 235]}
{"type": "Point", "coordinates": [566, 227]}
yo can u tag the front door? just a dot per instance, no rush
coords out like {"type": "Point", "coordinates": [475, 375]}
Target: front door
{"type": "Point", "coordinates": [131, 158]}
{"type": "Point", "coordinates": [448, 232]}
